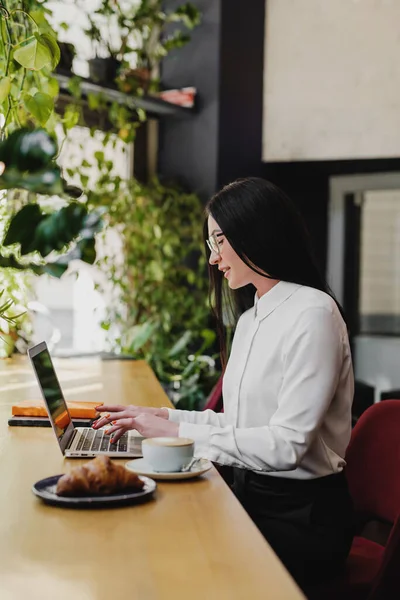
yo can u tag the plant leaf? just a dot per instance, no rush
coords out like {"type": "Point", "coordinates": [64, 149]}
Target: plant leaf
{"type": "Point", "coordinates": [40, 106]}
{"type": "Point", "coordinates": [39, 15]}
{"type": "Point", "coordinates": [52, 87]}
{"type": "Point", "coordinates": [47, 181]}
{"type": "Point", "coordinates": [88, 250]}
{"type": "Point", "coordinates": [83, 250]}
{"type": "Point", "coordinates": [54, 269]}
{"type": "Point", "coordinates": [60, 228]}
{"type": "Point", "coordinates": [74, 86]}
{"type": "Point", "coordinates": [139, 335]}
{"type": "Point", "coordinates": [70, 118]}
{"type": "Point", "coordinates": [94, 101]}
{"type": "Point", "coordinates": [51, 43]}
{"type": "Point", "coordinates": [5, 88]}
{"type": "Point", "coordinates": [180, 345]}
{"type": "Point", "coordinates": [189, 14]}
{"type": "Point", "coordinates": [27, 150]}
{"type": "Point", "coordinates": [34, 55]}
{"type": "Point", "coordinates": [22, 227]}
{"type": "Point", "coordinates": [71, 190]}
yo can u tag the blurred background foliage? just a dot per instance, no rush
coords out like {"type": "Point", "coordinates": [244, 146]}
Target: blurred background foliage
{"type": "Point", "coordinates": [158, 281]}
{"type": "Point", "coordinates": [159, 309]}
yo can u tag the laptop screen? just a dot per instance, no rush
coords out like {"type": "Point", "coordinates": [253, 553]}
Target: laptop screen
{"type": "Point", "coordinates": [52, 393]}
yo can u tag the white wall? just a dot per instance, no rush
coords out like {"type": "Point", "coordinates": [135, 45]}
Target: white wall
{"type": "Point", "coordinates": [331, 79]}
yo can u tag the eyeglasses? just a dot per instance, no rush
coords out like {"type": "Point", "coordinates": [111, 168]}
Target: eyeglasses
{"type": "Point", "coordinates": [214, 244]}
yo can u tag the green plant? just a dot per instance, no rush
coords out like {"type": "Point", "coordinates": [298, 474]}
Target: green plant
{"type": "Point", "coordinates": [141, 33]}
{"type": "Point", "coordinates": [105, 31]}
{"type": "Point", "coordinates": [14, 319]}
{"type": "Point", "coordinates": [158, 32]}
{"type": "Point", "coordinates": [33, 233]}
{"type": "Point", "coordinates": [159, 309]}
{"type": "Point", "coordinates": [28, 53]}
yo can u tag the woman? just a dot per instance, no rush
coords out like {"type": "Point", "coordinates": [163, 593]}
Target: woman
{"type": "Point", "coordinates": [288, 383]}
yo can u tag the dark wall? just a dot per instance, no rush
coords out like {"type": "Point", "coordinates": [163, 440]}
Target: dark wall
{"type": "Point", "coordinates": [307, 183]}
{"type": "Point", "coordinates": [223, 141]}
{"type": "Point", "coordinates": [240, 89]}
{"type": "Point", "coordinates": [188, 148]}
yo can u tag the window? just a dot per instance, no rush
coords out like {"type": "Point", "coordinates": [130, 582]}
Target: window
{"type": "Point", "coordinates": [76, 308]}
{"type": "Point", "coordinates": [380, 263]}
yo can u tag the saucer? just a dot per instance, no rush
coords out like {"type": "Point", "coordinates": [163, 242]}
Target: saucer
{"type": "Point", "coordinates": [141, 467]}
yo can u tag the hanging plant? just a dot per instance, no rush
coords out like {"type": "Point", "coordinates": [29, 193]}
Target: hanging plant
{"type": "Point", "coordinates": [27, 162]}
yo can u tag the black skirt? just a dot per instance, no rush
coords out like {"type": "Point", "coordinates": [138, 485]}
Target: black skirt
{"type": "Point", "coordinates": [308, 523]}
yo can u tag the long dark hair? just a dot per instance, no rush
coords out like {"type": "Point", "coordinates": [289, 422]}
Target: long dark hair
{"type": "Point", "coordinates": [266, 231]}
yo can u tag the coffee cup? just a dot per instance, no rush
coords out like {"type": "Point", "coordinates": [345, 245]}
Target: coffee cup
{"type": "Point", "coordinates": [167, 454]}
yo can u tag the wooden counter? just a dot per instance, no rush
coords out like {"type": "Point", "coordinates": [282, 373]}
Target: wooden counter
{"type": "Point", "coordinates": [194, 540]}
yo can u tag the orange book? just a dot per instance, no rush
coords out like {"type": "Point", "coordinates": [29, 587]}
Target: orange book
{"type": "Point", "coordinates": [81, 410]}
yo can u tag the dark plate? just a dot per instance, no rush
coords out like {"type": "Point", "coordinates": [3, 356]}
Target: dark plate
{"type": "Point", "coordinates": [46, 490]}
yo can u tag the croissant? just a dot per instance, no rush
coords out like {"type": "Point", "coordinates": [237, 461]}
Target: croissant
{"type": "Point", "coordinates": [99, 476]}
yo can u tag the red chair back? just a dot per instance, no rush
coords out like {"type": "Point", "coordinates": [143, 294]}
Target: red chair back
{"type": "Point", "coordinates": [214, 401]}
{"type": "Point", "coordinates": [373, 461]}
{"type": "Point", "coordinates": [373, 474]}
{"type": "Point", "coordinates": [387, 581]}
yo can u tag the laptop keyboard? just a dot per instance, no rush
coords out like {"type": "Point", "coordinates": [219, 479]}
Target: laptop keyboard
{"type": "Point", "coordinates": [92, 440]}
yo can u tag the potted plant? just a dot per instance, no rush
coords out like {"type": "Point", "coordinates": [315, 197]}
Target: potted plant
{"type": "Point", "coordinates": [159, 33]}
{"type": "Point", "coordinates": [67, 55]}
{"type": "Point", "coordinates": [109, 44]}
{"type": "Point", "coordinates": [134, 40]}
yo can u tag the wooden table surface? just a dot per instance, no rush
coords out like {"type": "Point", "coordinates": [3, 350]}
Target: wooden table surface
{"type": "Point", "coordinates": [194, 540]}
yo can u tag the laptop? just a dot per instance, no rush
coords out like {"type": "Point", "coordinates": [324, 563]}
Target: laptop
{"type": "Point", "coordinates": [75, 442]}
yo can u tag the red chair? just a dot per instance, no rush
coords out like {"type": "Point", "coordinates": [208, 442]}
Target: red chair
{"type": "Point", "coordinates": [373, 473]}
{"type": "Point", "coordinates": [214, 400]}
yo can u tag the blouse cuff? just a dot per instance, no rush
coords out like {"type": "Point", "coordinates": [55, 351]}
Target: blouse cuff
{"type": "Point", "coordinates": [200, 434]}
{"type": "Point", "coordinates": [173, 415]}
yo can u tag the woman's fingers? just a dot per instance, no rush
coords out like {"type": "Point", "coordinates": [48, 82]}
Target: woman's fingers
{"type": "Point", "coordinates": [127, 423]}
{"type": "Point", "coordinates": [147, 425]}
{"type": "Point", "coordinates": [100, 421]}
{"type": "Point", "coordinates": [115, 435]}
{"type": "Point", "coordinates": [112, 407]}
{"type": "Point", "coordinates": [118, 412]}
{"type": "Point", "coordinates": [121, 427]}
{"type": "Point", "coordinates": [110, 418]}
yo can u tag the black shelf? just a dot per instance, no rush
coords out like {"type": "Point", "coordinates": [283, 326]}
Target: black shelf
{"type": "Point", "coordinates": [154, 107]}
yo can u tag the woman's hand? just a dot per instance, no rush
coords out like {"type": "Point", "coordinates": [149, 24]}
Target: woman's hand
{"type": "Point", "coordinates": [146, 424]}
{"type": "Point", "coordinates": [149, 422]}
{"type": "Point", "coordinates": [119, 411]}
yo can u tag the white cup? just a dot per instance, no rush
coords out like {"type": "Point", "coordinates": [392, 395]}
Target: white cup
{"type": "Point", "coordinates": [167, 454]}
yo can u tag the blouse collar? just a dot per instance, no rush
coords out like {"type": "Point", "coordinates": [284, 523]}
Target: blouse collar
{"type": "Point", "coordinates": [271, 300]}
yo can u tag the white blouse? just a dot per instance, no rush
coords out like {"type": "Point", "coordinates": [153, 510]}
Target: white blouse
{"type": "Point", "coordinates": [288, 390]}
